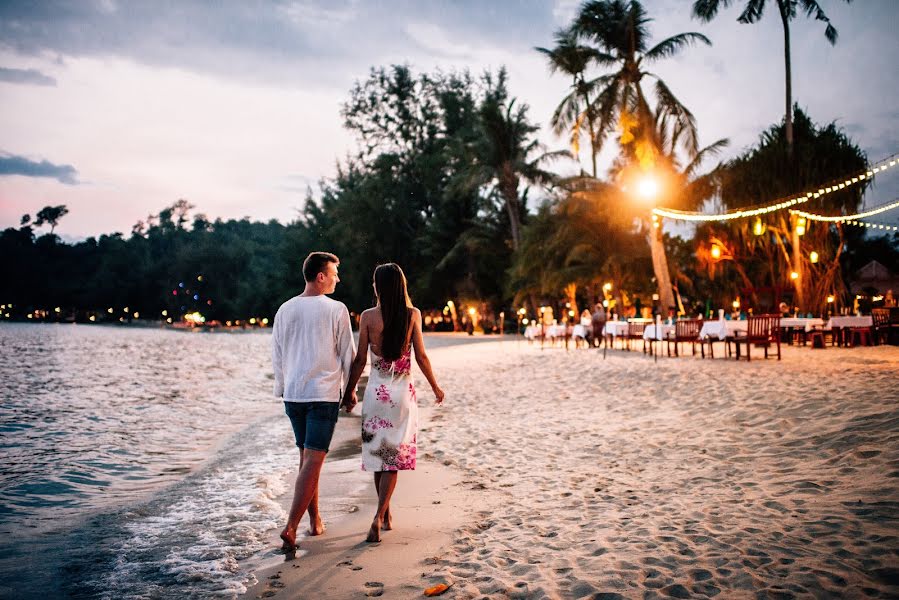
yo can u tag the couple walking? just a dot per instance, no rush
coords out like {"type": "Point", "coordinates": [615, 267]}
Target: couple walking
{"type": "Point", "coordinates": [316, 370]}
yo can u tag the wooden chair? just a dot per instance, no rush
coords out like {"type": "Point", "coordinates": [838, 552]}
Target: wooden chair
{"type": "Point", "coordinates": [862, 334]}
{"type": "Point", "coordinates": [635, 332]}
{"type": "Point", "coordinates": [686, 330]}
{"type": "Point", "coordinates": [884, 329]}
{"type": "Point", "coordinates": [762, 330]}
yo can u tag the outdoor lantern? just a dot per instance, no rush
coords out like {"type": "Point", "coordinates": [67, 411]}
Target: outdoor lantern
{"type": "Point", "coordinates": [830, 299]}
{"type": "Point", "coordinates": [800, 226]}
{"type": "Point", "coordinates": [758, 228]}
{"type": "Point", "coordinates": [607, 287]}
{"type": "Point", "coordinates": [716, 251]}
{"type": "Point", "coordinates": [813, 256]}
{"type": "Point", "coordinates": [794, 275]}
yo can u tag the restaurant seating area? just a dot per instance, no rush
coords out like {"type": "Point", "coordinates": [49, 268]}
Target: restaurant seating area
{"type": "Point", "coordinates": [758, 336]}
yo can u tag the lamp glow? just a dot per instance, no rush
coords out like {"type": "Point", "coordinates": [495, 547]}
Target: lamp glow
{"type": "Point", "coordinates": [813, 256]}
{"type": "Point", "coordinates": [648, 187]}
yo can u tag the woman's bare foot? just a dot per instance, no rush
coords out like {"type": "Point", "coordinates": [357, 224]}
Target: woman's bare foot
{"type": "Point", "coordinates": [387, 524]}
{"type": "Point", "coordinates": [374, 534]}
{"type": "Point", "coordinates": [316, 526]}
{"type": "Point", "coordinates": [289, 538]}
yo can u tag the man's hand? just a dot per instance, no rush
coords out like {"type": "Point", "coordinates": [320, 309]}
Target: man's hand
{"type": "Point", "coordinates": [350, 402]}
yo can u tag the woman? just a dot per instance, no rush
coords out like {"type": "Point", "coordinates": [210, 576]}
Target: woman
{"type": "Point", "coordinates": [389, 408]}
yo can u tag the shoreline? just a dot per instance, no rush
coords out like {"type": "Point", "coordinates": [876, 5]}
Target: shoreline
{"type": "Point", "coordinates": [429, 505]}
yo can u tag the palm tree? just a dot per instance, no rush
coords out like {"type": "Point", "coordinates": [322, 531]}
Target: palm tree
{"type": "Point", "coordinates": [620, 31]}
{"type": "Point", "coordinates": [681, 186]}
{"type": "Point", "coordinates": [505, 155]}
{"type": "Point", "coordinates": [576, 111]}
{"type": "Point", "coordinates": [705, 10]}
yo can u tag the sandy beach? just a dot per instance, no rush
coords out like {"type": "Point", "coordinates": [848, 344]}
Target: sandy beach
{"type": "Point", "coordinates": [563, 475]}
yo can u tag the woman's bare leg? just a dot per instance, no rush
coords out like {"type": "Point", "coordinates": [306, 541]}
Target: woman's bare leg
{"type": "Point", "coordinates": [386, 485]}
{"type": "Point", "coordinates": [387, 523]}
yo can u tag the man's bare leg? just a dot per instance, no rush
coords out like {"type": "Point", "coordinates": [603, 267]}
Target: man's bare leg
{"type": "Point", "coordinates": [316, 526]}
{"type": "Point", "coordinates": [387, 523]}
{"type": "Point", "coordinates": [305, 489]}
{"type": "Point", "coordinates": [386, 485]}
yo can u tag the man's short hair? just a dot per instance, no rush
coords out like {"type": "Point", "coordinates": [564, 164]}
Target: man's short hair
{"type": "Point", "coordinates": [316, 262]}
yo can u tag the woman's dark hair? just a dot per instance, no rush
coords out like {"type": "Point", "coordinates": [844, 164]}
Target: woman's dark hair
{"type": "Point", "coordinates": [396, 309]}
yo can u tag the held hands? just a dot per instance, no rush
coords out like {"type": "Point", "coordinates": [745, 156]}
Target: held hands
{"type": "Point", "coordinates": [349, 402]}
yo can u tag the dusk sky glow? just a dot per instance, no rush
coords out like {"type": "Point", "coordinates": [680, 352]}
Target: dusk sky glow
{"type": "Point", "coordinates": [118, 109]}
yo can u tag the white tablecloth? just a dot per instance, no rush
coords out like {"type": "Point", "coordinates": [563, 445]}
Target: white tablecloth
{"type": "Point", "coordinates": [722, 329]}
{"type": "Point", "coordinates": [581, 331]}
{"type": "Point", "coordinates": [555, 331]}
{"type": "Point", "coordinates": [801, 322]}
{"type": "Point", "coordinates": [664, 329]}
{"type": "Point", "coordinates": [867, 321]}
{"type": "Point", "coordinates": [615, 328]}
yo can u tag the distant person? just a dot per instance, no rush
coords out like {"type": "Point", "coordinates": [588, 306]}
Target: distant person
{"type": "Point", "coordinates": [312, 352]}
{"type": "Point", "coordinates": [598, 321]}
{"type": "Point", "coordinates": [392, 330]}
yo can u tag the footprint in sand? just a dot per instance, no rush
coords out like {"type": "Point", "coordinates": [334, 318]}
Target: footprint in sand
{"type": "Point", "coordinates": [373, 588]}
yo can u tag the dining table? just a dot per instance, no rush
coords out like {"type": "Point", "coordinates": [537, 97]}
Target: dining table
{"type": "Point", "coordinates": [722, 328]}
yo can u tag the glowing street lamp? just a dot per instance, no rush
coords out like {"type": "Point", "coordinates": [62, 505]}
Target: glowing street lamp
{"type": "Point", "coordinates": [716, 252]}
{"type": "Point", "coordinates": [794, 275]}
{"type": "Point", "coordinates": [813, 256]}
{"type": "Point", "coordinates": [648, 187]}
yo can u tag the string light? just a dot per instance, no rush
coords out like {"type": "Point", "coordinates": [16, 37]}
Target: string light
{"type": "Point", "coordinates": [782, 203]}
{"type": "Point", "coordinates": [841, 218]}
{"type": "Point", "coordinates": [872, 225]}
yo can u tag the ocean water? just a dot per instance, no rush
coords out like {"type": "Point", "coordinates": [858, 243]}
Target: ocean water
{"type": "Point", "coordinates": [137, 463]}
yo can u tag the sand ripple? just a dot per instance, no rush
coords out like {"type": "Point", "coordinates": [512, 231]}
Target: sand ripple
{"type": "Point", "coordinates": [682, 479]}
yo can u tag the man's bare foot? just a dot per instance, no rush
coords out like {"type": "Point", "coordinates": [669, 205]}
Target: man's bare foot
{"type": "Point", "coordinates": [316, 527]}
{"type": "Point", "coordinates": [387, 524]}
{"type": "Point", "coordinates": [289, 538]}
{"type": "Point", "coordinates": [374, 534]}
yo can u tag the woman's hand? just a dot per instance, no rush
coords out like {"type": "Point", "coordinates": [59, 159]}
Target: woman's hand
{"type": "Point", "coordinates": [349, 402]}
{"type": "Point", "coordinates": [439, 394]}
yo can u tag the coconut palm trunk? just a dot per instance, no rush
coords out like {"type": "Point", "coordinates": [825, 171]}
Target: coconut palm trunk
{"type": "Point", "coordinates": [788, 118]}
{"type": "Point", "coordinates": [660, 270]}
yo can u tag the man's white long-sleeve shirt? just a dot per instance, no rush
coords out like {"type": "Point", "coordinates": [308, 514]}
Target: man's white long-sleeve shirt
{"type": "Point", "coordinates": [312, 349]}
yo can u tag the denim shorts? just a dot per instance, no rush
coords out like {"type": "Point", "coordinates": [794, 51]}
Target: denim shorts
{"type": "Point", "coordinates": [313, 423]}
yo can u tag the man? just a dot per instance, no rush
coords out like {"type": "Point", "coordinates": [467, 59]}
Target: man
{"type": "Point", "coordinates": [312, 350]}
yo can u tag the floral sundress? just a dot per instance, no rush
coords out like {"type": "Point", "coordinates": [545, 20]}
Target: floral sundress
{"type": "Point", "coordinates": [389, 416]}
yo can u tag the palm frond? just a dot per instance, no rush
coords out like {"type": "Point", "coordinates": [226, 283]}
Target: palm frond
{"type": "Point", "coordinates": [706, 10]}
{"type": "Point", "coordinates": [811, 7]}
{"type": "Point", "coordinates": [713, 149]}
{"type": "Point", "coordinates": [674, 44]}
{"type": "Point", "coordinates": [753, 11]}
{"type": "Point", "coordinates": [683, 118]}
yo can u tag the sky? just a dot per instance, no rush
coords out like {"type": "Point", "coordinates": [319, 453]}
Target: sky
{"type": "Point", "coordinates": [118, 109]}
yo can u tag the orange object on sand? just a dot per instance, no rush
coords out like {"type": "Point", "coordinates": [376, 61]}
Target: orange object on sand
{"type": "Point", "coordinates": [437, 589]}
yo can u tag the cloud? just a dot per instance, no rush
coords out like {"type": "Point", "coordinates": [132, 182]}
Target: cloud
{"type": "Point", "coordinates": [19, 165]}
{"type": "Point", "coordinates": [26, 76]}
